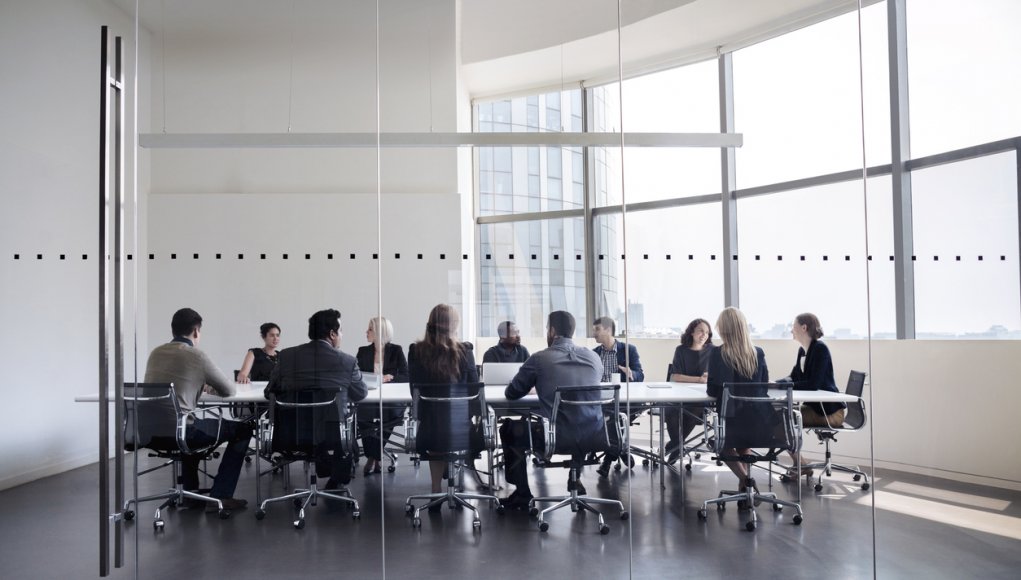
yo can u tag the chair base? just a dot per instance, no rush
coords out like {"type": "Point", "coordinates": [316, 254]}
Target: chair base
{"type": "Point", "coordinates": [752, 498]}
{"type": "Point", "coordinates": [451, 497]}
{"type": "Point", "coordinates": [827, 467]}
{"type": "Point", "coordinates": [303, 498]}
{"type": "Point", "coordinates": [576, 502]}
{"type": "Point", "coordinates": [172, 498]}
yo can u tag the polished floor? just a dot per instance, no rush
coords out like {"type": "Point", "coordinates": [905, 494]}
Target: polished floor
{"type": "Point", "coordinates": [924, 528]}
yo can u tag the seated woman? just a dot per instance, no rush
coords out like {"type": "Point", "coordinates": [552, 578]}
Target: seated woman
{"type": "Point", "coordinates": [440, 358]}
{"type": "Point", "coordinates": [736, 360]}
{"type": "Point", "coordinates": [384, 358]}
{"type": "Point", "coordinates": [260, 362]}
{"type": "Point", "coordinates": [814, 374]}
{"type": "Point", "coordinates": [691, 359]}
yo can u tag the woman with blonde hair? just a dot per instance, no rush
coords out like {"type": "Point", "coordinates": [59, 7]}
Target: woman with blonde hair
{"type": "Point", "coordinates": [386, 359]}
{"type": "Point", "coordinates": [440, 358]}
{"type": "Point", "coordinates": [737, 360]}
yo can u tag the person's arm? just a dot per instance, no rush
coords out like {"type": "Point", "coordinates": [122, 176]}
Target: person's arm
{"type": "Point", "coordinates": [273, 387]}
{"type": "Point", "coordinates": [472, 371]}
{"type": "Point", "coordinates": [763, 369]}
{"type": "Point", "coordinates": [246, 367]}
{"type": "Point", "coordinates": [523, 382]}
{"type": "Point", "coordinates": [356, 389]}
{"type": "Point", "coordinates": [815, 378]}
{"type": "Point", "coordinates": [717, 373]}
{"type": "Point", "coordinates": [490, 356]}
{"type": "Point", "coordinates": [635, 365]}
{"type": "Point", "coordinates": [399, 365]}
{"type": "Point", "coordinates": [215, 378]}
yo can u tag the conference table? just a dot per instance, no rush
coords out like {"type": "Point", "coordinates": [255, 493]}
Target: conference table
{"type": "Point", "coordinates": [633, 397]}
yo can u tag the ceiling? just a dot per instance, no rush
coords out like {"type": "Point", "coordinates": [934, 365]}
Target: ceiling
{"type": "Point", "coordinates": [512, 46]}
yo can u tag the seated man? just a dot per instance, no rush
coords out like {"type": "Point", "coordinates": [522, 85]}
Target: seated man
{"type": "Point", "coordinates": [617, 361]}
{"type": "Point", "coordinates": [509, 348]}
{"type": "Point", "coordinates": [320, 365]}
{"type": "Point", "coordinates": [182, 363]}
{"type": "Point", "coordinates": [561, 365]}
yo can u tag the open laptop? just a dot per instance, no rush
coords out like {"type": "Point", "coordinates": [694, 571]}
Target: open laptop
{"type": "Point", "coordinates": [496, 373]}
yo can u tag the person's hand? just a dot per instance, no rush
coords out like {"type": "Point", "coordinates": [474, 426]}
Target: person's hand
{"type": "Point", "coordinates": [704, 378]}
{"type": "Point", "coordinates": [208, 390]}
{"type": "Point", "coordinates": [388, 378]}
{"type": "Point", "coordinates": [626, 372]}
{"type": "Point", "coordinates": [243, 378]}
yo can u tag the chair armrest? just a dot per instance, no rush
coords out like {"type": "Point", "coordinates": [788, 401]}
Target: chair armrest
{"type": "Point", "coordinates": [182, 431]}
{"type": "Point", "coordinates": [411, 434]}
{"type": "Point", "coordinates": [348, 433]}
{"type": "Point", "coordinates": [489, 429]}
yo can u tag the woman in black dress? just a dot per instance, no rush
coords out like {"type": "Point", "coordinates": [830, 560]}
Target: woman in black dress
{"type": "Point", "coordinates": [691, 359]}
{"type": "Point", "coordinates": [260, 362]}
{"type": "Point", "coordinates": [440, 358]}
{"type": "Point", "coordinates": [386, 359]}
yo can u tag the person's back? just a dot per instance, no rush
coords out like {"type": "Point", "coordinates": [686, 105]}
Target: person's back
{"type": "Point", "coordinates": [317, 365]}
{"type": "Point", "coordinates": [189, 369]}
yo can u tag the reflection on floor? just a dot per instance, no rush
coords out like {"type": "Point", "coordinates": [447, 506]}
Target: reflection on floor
{"type": "Point", "coordinates": [925, 527]}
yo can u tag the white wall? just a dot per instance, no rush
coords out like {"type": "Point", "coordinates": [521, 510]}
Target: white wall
{"type": "Point", "coordinates": [49, 58]}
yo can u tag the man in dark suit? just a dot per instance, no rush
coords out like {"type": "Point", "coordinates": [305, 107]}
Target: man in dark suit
{"type": "Point", "coordinates": [319, 365]}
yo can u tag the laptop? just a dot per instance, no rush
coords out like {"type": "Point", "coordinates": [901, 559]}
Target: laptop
{"type": "Point", "coordinates": [496, 373]}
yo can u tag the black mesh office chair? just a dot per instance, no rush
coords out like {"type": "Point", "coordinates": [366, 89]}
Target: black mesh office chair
{"type": "Point", "coordinates": [749, 418]}
{"type": "Point", "coordinates": [854, 420]}
{"type": "Point", "coordinates": [452, 423]}
{"type": "Point", "coordinates": [305, 425]}
{"type": "Point", "coordinates": [153, 420]}
{"type": "Point", "coordinates": [585, 420]}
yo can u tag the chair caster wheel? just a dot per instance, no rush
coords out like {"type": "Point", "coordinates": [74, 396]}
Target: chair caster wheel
{"type": "Point", "coordinates": [299, 524]}
{"type": "Point", "coordinates": [533, 511]}
{"type": "Point", "coordinates": [687, 467]}
{"type": "Point", "coordinates": [784, 478]}
{"type": "Point", "coordinates": [500, 510]}
{"type": "Point", "coordinates": [865, 486]}
{"type": "Point", "coordinates": [750, 526]}
{"type": "Point", "coordinates": [260, 514]}
{"type": "Point", "coordinates": [157, 525]}
{"type": "Point", "coordinates": [856, 477]}
{"type": "Point", "coordinates": [391, 469]}
{"type": "Point", "coordinates": [698, 456]}
{"type": "Point", "coordinates": [248, 460]}
{"type": "Point", "coordinates": [702, 515]}
{"type": "Point", "coordinates": [616, 467]}
{"type": "Point", "coordinates": [624, 515]}
{"type": "Point", "coordinates": [129, 515]}
{"type": "Point", "coordinates": [543, 527]}
{"type": "Point", "coordinates": [798, 520]}
{"type": "Point", "coordinates": [777, 507]}
{"type": "Point", "coordinates": [224, 514]}
{"type": "Point", "coordinates": [721, 507]}
{"type": "Point", "coordinates": [408, 508]}
{"type": "Point", "coordinates": [645, 462]}
{"type": "Point", "coordinates": [476, 524]}
{"type": "Point", "coordinates": [416, 522]}
{"type": "Point", "coordinates": [604, 529]}
{"type": "Point", "coordinates": [818, 487]}
{"type": "Point", "coordinates": [719, 464]}
{"type": "Point", "coordinates": [356, 515]}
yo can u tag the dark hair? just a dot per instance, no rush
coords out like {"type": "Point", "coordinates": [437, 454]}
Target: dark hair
{"type": "Point", "coordinates": [811, 321]}
{"type": "Point", "coordinates": [688, 338]}
{"type": "Point", "coordinates": [606, 322]}
{"type": "Point", "coordinates": [322, 322]}
{"type": "Point", "coordinates": [562, 322]}
{"type": "Point", "coordinates": [265, 328]}
{"type": "Point", "coordinates": [185, 321]}
{"type": "Point", "coordinates": [503, 329]}
{"type": "Point", "coordinates": [439, 352]}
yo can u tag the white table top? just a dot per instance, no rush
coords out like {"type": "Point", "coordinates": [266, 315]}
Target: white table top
{"type": "Point", "coordinates": [649, 394]}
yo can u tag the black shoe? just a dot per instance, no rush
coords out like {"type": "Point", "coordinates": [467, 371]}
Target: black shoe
{"type": "Point", "coordinates": [229, 504]}
{"type": "Point", "coordinates": [576, 485]}
{"type": "Point", "coordinates": [517, 500]}
{"type": "Point", "coordinates": [604, 467]}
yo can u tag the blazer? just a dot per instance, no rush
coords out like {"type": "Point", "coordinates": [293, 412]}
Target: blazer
{"type": "Point", "coordinates": [636, 364]}
{"type": "Point", "coordinates": [817, 376]}
{"type": "Point", "coordinates": [720, 372]}
{"type": "Point", "coordinates": [317, 365]}
{"type": "Point", "coordinates": [394, 362]}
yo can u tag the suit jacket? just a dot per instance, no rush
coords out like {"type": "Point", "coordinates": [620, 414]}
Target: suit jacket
{"type": "Point", "coordinates": [394, 362]}
{"type": "Point", "coordinates": [636, 364]}
{"type": "Point", "coordinates": [817, 376]}
{"type": "Point", "coordinates": [720, 372]}
{"type": "Point", "coordinates": [317, 365]}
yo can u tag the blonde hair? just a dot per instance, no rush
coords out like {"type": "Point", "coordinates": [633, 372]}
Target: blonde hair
{"type": "Point", "coordinates": [737, 348]}
{"type": "Point", "coordinates": [383, 329]}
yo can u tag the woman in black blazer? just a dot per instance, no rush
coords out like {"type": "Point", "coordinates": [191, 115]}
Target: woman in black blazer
{"type": "Point", "coordinates": [393, 368]}
{"type": "Point", "coordinates": [440, 358]}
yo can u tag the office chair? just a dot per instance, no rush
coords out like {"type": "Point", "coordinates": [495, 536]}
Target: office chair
{"type": "Point", "coordinates": [374, 428]}
{"type": "Point", "coordinates": [695, 445]}
{"type": "Point", "coordinates": [584, 420]}
{"type": "Point", "coordinates": [449, 422]}
{"type": "Point", "coordinates": [153, 420]}
{"type": "Point", "coordinates": [750, 418]}
{"type": "Point", "coordinates": [304, 428]}
{"type": "Point", "coordinates": [854, 420]}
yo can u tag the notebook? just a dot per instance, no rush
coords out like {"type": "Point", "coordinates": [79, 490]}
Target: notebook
{"type": "Point", "coordinates": [499, 373]}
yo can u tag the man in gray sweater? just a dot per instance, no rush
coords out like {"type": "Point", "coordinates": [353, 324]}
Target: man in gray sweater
{"type": "Point", "coordinates": [180, 362]}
